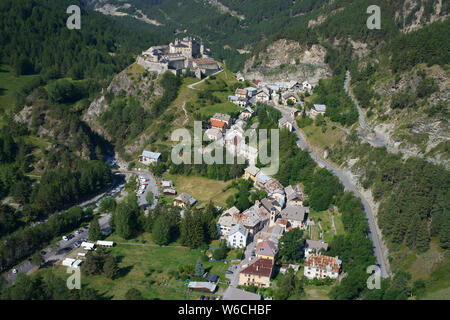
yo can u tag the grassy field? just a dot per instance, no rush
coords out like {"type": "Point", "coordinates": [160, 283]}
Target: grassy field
{"type": "Point", "coordinates": [320, 139]}
{"type": "Point", "coordinates": [147, 269]}
{"type": "Point", "coordinates": [202, 189]}
{"type": "Point", "coordinates": [325, 218]}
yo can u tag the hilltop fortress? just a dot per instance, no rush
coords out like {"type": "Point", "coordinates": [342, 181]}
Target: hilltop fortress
{"type": "Point", "coordinates": [178, 57]}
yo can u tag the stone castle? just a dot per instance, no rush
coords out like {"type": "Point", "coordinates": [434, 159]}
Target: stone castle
{"type": "Point", "coordinates": [178, 57]}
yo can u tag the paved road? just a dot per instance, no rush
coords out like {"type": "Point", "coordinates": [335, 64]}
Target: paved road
{"type": "Point", "coordinates": [191, 86]}
{"type": "Point", "coordinates": [380, 250]}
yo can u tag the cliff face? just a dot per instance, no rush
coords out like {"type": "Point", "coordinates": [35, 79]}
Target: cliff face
{"type": "Point", "coordinates": [286, 60]}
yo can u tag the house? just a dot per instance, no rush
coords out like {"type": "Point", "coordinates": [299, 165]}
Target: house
{"type": "Point", "coordinates": [240, 77]}
{"type": "Point", "coordinates": [317, 109]}
{"type": "Point", "coordinates": [263, 97]}
{"type": "Point", "coordinates": [148, 157]}
{"type": "Point", "coordinates": [220, 121]}
{"type": "Point", "coordinates": [169, 192]}
{"type": "Point", "coordinates": [257, 83]}
{"type": "Point", "coordinates": [226, 221]}
{"type": "Point", "coordinates": [237, 237]}
{"type": "Point", "coordinates": [251, 91]}
{"type": "Point", "coordinates": [167, 183]}
{"type": "Point", "coordinates": [239, 101]}
{"type": "Point", "coordinates": [273, 186]}
{"type": "Point", "coordinates": [320, 267]}
{"type": "Point", "coordinates": [184, 200]}
{"type": "Point", "coordinates": [213, 278]}
{"type": "Point", "coordinates": [312, 246]}
{"type": "Point", "coordinates": [213, 134]}
{"type": "Point", "coordinates": [273, 233]}
{"type": "Point", "coordinates": [266, 249]}
{"type": "Point", "coordinates": [202, 286]}
{"type": "Point", "coordinates": [241, 93]}
{"type": "Point", "coordinates": [294, 112]}
{"type": "Point", "coordinates": [289, 98]}
{"type": "Point", "coordinates": [233, 293]}
{"type": "Point", "coordinates": [108, 244]}
{"type": "Point", "coordinates": [261, 180]}
{"type": "Point", "coordinates": [247, 113]}
{"type": "Point", "coordinates": [251, 172]}
{"type": "Point", "coordinates": [284, 123]}
{"type": "Point", "coordinates": [67, 262]}
{"type": "Point", "coordinates": [258, 273]}
{"type": "Point", "coordinates": [294, 196]}
{"type": "Point", "coordinates": [295, 215]}
{"type": "Point", "coordinates": [307, 86]}
{"type": "Point", "coordinates": [88, 246]}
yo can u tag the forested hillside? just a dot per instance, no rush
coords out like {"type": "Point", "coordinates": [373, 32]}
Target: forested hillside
{"type": "Point", "coordinates": [50, 159]}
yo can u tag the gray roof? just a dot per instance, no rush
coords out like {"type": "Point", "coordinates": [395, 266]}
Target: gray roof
{"type": "Point", "coordinates": [222, 117]}
{"type": "Point", "coordinates": [238, 228]}
{"type": "Point", "coordinates": [296, 213]}
{"type": "Point", "coordinates": [262, 178]}
{"type": "Point", "coordinates": [151, 155]}
{"type": "Point", "coordinates": [252, 170]}
{"type": "Point", "coordinates": [186, 198]}
{"type": "Point", "coordinates": [233, 293]}
{"type": "Point", "coordinates": [320, 107]}
{"type": "Point", "coordinates": [316, 245]}
{"type": "Point", "coordinates": [202, 285]}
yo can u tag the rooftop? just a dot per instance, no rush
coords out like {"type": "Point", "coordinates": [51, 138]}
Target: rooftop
{"type": "Point", "coordinates": [151, 155]}
{"type": "Point", "coordinates": [322, 262]}
{"type": "Point", "coordinates": [261, 267]}
{"type": "Point", "coordinates": [296, 213]}
{"type": "Point", "coordinates": [320, 107]}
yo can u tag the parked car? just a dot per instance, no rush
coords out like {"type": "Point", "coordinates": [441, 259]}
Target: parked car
{"type": "Point", "coordinates": [201, 297]}
{"type": "Point", "coordinates": [43, 253]}
{"type": "Point", "coordinates": [65, 238]}
{"type": "Point", "coordinates": [14, 271]}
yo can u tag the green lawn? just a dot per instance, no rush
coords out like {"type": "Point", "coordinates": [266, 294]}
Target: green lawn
{"type": "Point", "coordinates": [202, 189]}
{"type": "Point", "coordinates": [224, 107]}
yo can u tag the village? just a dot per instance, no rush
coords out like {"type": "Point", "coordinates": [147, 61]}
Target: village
{"type": "Point", "coordinates": [258, 229]}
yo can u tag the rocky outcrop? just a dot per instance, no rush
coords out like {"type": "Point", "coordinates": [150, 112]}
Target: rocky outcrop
{"type": "Point", "coordinates": [286, 60]}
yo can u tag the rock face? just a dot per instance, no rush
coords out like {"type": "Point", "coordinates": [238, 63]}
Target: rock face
{"type": "Point", "coordinates": [141, 85]}
{"type": "Point", "coordinates": [286, 60]}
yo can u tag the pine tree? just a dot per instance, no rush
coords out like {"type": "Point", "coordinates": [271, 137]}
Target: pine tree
{"type": "Point", "coordinates": [423, 237]}
{"type": "Point", "coordinates": [161, 231]}
{"type": "Point", "coordinates": [94, 230]}
{"type": "Point", "coordinates": [110, 268]}
{"type": "Point", "coordinates": [411, 233]}
{"type": "Point", "coordinates": [199, 269]}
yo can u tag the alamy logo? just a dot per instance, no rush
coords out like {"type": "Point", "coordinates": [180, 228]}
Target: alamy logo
{"type": "Point", "coordinates": [233, 141]}
{"type": "Point", "coordinates": [74, 21]}
{"type": "Point", "coordinates": [74, 281]}
{"type": "Point", "coordinates": [374, 21]}
{"type": "Point", "coordinates": [374, 281]}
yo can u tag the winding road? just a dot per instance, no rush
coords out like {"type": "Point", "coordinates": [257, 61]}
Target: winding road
{"type": "Point", "coordinates": [380, 250]}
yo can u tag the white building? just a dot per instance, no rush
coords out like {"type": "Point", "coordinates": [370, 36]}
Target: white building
{"type": "Point", "coordinates": [307, 86]}
{"type": "Point", "coordinates": [320, 267]}
{"type": "Point", "coordinates": [148, 157]}
{"type": "Point", "coordinates": [237, 238]}
{"type": "Point", "coordinates": [317, 109]}
{"type": "Point", "coordinates": [283, 123]}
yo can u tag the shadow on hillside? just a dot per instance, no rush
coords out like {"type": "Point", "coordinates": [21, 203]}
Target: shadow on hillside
{"type": "Point", "coordinates": [2, 91]}
{"type": "Point", "coordinates": [124, 271]}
